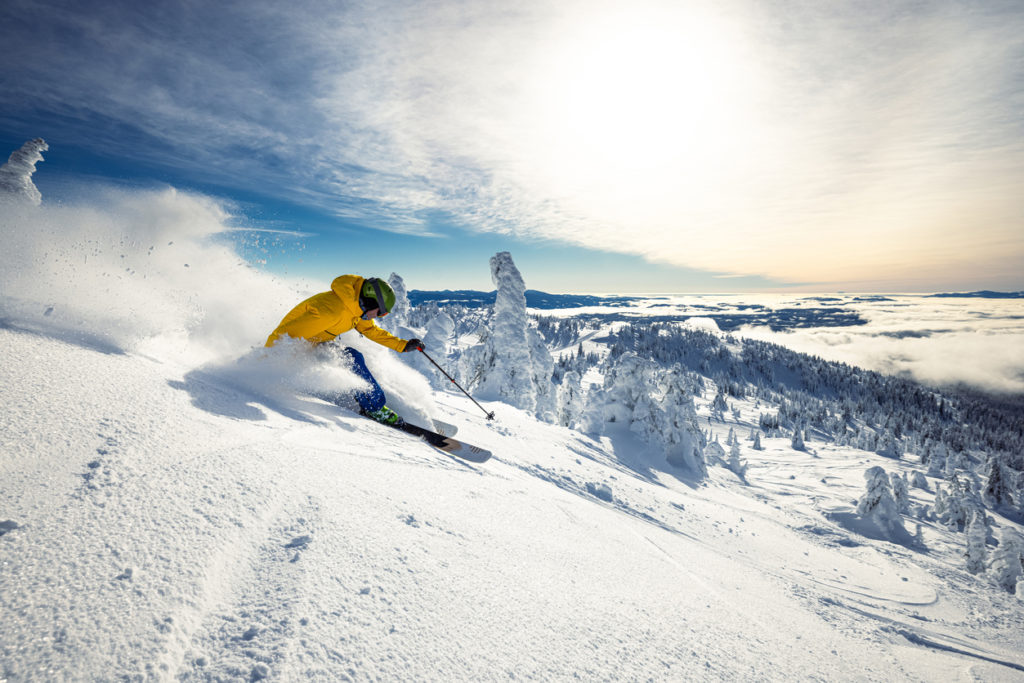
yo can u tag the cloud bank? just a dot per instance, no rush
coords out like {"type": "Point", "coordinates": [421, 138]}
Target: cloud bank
{"type": "Point", "coordinates": [978, 344]}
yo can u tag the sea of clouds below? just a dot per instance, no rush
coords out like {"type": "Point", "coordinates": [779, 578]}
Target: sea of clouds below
{"type": "Point", "coordinates": [977, 342]}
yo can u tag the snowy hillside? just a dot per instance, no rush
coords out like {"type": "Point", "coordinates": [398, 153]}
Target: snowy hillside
{"type": "Point", "coordinates": [157, 525]}
{"type": "Point", "coordinates": [174, 505]}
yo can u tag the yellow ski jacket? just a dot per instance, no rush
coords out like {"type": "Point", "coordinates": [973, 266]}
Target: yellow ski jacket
{"type": "Point", "coordinates": [324, 316]}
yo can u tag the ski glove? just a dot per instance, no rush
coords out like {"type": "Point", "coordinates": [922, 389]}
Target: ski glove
{"type": "Point", "coordinates": [412, 345]}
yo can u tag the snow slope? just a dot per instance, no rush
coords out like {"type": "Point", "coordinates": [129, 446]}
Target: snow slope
{"type": "Point", "coordinates": [171, 528]}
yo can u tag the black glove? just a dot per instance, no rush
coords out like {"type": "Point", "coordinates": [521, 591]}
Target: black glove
{"type": "Point", "coordinates": [412, 345]}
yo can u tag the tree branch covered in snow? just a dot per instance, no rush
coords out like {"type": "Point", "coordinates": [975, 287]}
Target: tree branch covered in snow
{"type": "Point", "coordinates": [16, 174]}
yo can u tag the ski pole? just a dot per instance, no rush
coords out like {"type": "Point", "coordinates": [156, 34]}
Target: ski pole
{"type": "Point", "coordinates": [490, 415]}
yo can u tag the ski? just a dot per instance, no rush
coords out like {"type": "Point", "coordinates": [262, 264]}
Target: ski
{"type": "Point", "coordinates": [444, 428]}
{"type": "Point", "coordinates": [454, 447]}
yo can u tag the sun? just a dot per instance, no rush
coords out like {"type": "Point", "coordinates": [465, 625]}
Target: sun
{"type": "Point", "coordinates": [636, 102]}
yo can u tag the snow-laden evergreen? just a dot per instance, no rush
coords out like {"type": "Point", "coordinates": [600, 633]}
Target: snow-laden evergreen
{"type": "Point", "coordinates": [512, 364]}
{"type": "Point", "coordinates": [16, 175]}
{"type": "Point", "coordinates": [736, 462]}
{"type": "Point", "coordinates": [878, 504]}
{"type": "Point", "coordinates": [975, 538]}
{"type": "Point", "coordinates": [1007, 564]}
{"type": "Point", "coordinates": [399, 314]}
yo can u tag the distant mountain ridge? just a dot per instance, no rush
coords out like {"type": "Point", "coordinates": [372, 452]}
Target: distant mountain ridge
{"type": "Point", "coordinates": [534, 298]}
{"type": "Point", "coordinates": [983, 294]}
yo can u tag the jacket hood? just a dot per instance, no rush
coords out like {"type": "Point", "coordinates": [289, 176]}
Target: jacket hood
{"type": "Point", "coordinates": [347, 288]}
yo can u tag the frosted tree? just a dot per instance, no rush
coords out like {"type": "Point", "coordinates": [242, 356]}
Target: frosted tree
{"type": "Point", "coordinates": [542, 367]}
{"type": "Point", "coordinates": [438, 341]}
{"type": "Point", "coordinates": [976, 532]}
{"type": "Point", "coordinates": [890, 446]}
{"type": "Point", "coordinates": [798, 440]}
{"type": "Point", "coordinates": [900, 493]}
{"type": "Point", "coordinates": [440, 333]}
{"type": "Point", "coordinates": [714, 454]}
{"type": "Point", "coordinates": [757, 443]}
{"type": "Point", "coordinates": [684, 443]}
{"type": "Point", "coordinates": [512, 364]}
{"type": "Point", "coordinates": [918, 480]}
{"type": "Point", "coordinates": [878, 503]}
{"type": "Point", "coordinates": [719, 405]}
{"type": "Point", "coordinates": [998, 490]}
{"type": "Point", "coordinates": [937, 461]}
{"type": "Point", "coordinates": [570, 400]}
{"type": "Point", "coordinates": [953, 507]}
{"type": "Point", "coordinates": [940, 506]}
{"type": "Point", "coordinates": [16, 175]}
{"type": "Point", "coordinates": [655, 404]}
{"type": "Point", "coordinates": [628, 381]}
{"type": "Point", "coordinates": [954, 462]}
{"type": "Point", "coordinates": [399, 314]}
{"type": "Point", "coordinates": [738, 466]}
{"type": "Point", "coordinates": [1005, 568]}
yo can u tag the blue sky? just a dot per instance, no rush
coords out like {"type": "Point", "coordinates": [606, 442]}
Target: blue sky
{"type": "Point", "coordinates": [637, 147]}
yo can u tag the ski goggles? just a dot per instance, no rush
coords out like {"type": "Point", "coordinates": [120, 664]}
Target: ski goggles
{"type": "Point", "coordinates": [381, 306]}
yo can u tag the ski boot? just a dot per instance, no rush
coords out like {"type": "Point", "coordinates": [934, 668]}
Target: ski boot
{"type": "Point", "coordinates": [385, 416]}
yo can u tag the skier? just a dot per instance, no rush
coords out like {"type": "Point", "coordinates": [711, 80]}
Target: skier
{"type": "Point", "coordinates": [352, 302]}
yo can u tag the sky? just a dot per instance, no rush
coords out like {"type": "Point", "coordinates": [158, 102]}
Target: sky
{"type": "Point", "coordinates": [645, 146]}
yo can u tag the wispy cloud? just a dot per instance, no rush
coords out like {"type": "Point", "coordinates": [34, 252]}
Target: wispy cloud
{"type": "Point", "coordinates": [862, 147]}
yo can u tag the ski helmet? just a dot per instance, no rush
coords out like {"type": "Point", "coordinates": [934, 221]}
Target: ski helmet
{"type": "Point", "coordinates": [377, 294]}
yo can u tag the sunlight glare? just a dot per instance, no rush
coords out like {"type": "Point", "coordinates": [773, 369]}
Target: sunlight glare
{"type": "Point", "coordinates": [638, 105]}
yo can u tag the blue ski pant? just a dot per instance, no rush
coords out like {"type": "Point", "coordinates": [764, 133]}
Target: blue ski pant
{"type": "Point", "coordinates": [368, 400]}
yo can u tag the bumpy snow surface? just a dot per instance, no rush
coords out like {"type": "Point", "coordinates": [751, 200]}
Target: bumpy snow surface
{"type": "Point", "coordinates": [175, 506]}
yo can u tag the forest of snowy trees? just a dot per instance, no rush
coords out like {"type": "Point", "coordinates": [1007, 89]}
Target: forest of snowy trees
{"type": "Point", "coordinates": [645, 376]}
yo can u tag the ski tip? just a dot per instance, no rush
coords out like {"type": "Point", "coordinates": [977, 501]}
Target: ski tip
{"type": "Point", "coordinates": [471, 453]}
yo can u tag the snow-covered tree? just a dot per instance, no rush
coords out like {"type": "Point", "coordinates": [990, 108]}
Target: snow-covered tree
{"type": "Point", "coordinates": [757, 443]}
{"type": "Point", "coordinates": [998, 488]}
{"type": "Point", "coordinates": [798, 440]}
{"type": "Point", "coordinates": [918, 480]}
{"type": "Point", "coordinates": [542, 368]}
{"type": "Point", "coordinates": [738, 466]}
{"type": "Point", "coordinates": [937, 461]}
{"type": "Point", "coordinates": [890, 446]}
{"type": "Point", "coordinates": [954, 462]}
{"type": "Point", "coordinates": [1005, 567]}
{"type": "Point", "coordinates": [570, 400]}
{"type": "Point", "coordinates": [440, 333]}
{"type": "Point", "coordinates": [900, 493]}
{"type": "Point", "coordinates": [714, 454]}
{"type": "Point", "coordinates": [953, 506]}
{"type": "Point", "coordinates": [656, 404]}
{"type": "Point", "coordinates": [16, 175]}
{"type": "Point", "coordinates": [438, 341]}
{"type": "Point", "coordinates": [627, 380]}
{"type": "Point", "coordinates": [976, 532]}
{"type": "Point", "coordinates": [399, 314]}
{"type": "Point", "coordinates": [719, 405]}
{"type": "Point", "coordinates": [878, 503]}
{"type": "Point", "coordinates": [512, 364]}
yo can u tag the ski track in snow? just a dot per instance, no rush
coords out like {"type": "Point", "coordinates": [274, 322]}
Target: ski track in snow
{"type": "Point", "coordinates": [176, 529]}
